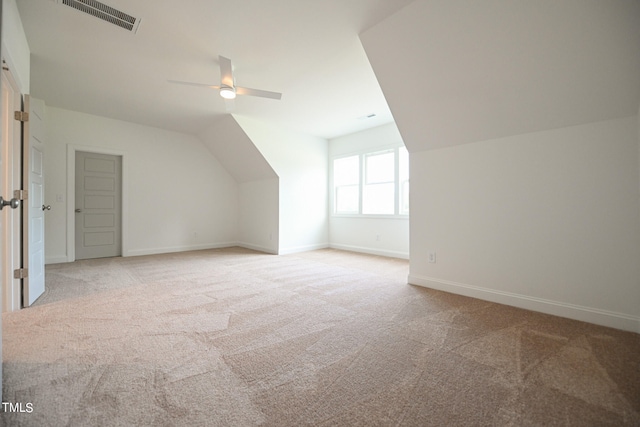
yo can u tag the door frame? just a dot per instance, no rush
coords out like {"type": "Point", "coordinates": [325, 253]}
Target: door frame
{"type": "Point", "coordinates": [11, 287]}
{"type": "Point", "coordinates": [71, 196]}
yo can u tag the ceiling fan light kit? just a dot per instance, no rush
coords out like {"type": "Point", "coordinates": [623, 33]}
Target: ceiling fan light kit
{"type": "Point", "coordinates": [228, 88]}
{"type": "Point", "coordinates": [227, 92]}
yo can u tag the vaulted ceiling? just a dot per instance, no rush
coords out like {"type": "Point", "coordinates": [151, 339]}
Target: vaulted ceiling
{"type": "Point", "coordinates": [308, 50]}
{"type": "Point", "coordinates": [452, 71]}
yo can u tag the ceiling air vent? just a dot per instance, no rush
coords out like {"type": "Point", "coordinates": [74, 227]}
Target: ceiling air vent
{"type": "Point", "coordinates": [104, 12]}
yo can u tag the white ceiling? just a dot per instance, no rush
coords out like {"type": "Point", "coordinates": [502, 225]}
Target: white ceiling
{"type": "Point", "coordinates": [308, 50]}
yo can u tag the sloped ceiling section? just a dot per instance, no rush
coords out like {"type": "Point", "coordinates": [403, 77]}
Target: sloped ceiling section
{"type": "Point", "coordinates": [307, 50]}
{"type": "Point", "coordinates": [235, 151]}
{"type": "Point", "coordinates": [459, 71]}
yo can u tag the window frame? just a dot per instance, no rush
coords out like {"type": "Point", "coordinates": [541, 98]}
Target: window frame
{"type": "Point", "coordinates": [362, 156]}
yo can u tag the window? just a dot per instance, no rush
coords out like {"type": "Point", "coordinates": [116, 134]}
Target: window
{"type": "Point", "coordinates": [379, 183]}
{"type": "Point", "coordinates": [372, 183]}
{"type": "Point", "coordinates": [346, 181]}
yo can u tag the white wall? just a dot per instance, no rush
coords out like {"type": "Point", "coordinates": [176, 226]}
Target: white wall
{"type": "Point", "coordinates": [546, 221]}
{"type": "Point", "coordinates": [300, 161]}
{"type": "Point", "coordinates": [258, 218]}
{"type": "Point", "coordinates": [258, 184]}
{"type": "Point", "coordinates": [385, 237]}
{"type": "Point", "coordinates": [380, 236]}
{"type": "Point", "coordinates": [15, 49]}
{"type": "Point", "coordinates": [179, 197]}
{"type": "Point", "coordinates": [228, 143]}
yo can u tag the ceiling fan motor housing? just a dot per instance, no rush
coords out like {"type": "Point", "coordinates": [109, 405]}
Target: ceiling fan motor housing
{"type": "Point", "coordinates": [227, 92]}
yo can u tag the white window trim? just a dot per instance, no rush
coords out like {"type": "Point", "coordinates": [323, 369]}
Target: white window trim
{"type": "Point", "coordinates": [362, 154]}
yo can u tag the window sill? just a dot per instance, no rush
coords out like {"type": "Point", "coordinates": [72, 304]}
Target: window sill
{"type": "Point", "coordinates": [370, 216]}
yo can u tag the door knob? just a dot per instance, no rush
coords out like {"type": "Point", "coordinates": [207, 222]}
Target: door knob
{"type": "Point", "coordinates": [14, 203]}
{"type": "Point", "coordinates": [46, 208]}
{"type": "Point", "coordinates": [78, 210]}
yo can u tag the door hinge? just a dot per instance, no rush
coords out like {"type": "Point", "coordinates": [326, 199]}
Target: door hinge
{"type": "Point", "coordinates": [21, 116]}
{"type": "Point", "coordinates": [20, 194]}
{"type": "Point", "coordinates": [21, 273]}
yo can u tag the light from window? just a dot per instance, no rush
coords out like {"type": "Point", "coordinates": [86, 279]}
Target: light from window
{"type": "Point", "coordinates": [378, 193]}
{"type": "Point", "coordinates": [346, 181]}
{"type": "Point", "coordinates": [374, 183]}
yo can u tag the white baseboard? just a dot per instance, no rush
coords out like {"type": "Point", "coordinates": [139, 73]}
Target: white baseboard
{"type": "Point", "coordinates": [186, 248]}
{"type": "Point", "coordinates": [372, 251]}
{"type": "Point", "coordinates": [257, 248]}
{"type": "Point", "coordinates": [571, 311]}
{"type": "Point", "coordinates": [305, 248]}
{"type": "Point", "coordinates": [56, 260]}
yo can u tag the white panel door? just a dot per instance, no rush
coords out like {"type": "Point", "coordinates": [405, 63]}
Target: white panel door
{"type": "Point", "coordinates": [12, 176]}
{"type": "Point", "coordinates": [33, 210]}
{"type": "Point", "coordinates": [98, 205]}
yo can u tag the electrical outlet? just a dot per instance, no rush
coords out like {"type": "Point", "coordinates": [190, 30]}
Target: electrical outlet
{"type": "Point", "coordinates": [377, 237]}
{"type": "Point", "coordinates": [432, 257]}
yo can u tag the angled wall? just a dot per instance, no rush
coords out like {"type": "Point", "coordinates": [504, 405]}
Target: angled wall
{"type": "Point", "coordinates": [521, 119]}
{"type": "Point", "coordinates": [460, 71]}
{"type": "Point", "coordinates": [300, 162]}
{"type": "Point", "coordinates": [258, 184]}
{"type": "Point", "coordinates": [228, 142]}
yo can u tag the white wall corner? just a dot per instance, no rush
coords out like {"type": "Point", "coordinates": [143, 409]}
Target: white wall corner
{"type": "Point", "coordinates": [56, 260]}
{"type": "Point", "coordinates": [570, 311]}
{"type": "Point", "coordinates": [304, 248]}
{"type": "Point", "coordinates": [185, 248]}
{"type": "Point", "coordinates": [258, 248]}
{"type": "Point", "coordinates": [371, 251]}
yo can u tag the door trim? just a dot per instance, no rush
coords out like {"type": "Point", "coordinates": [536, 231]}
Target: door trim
{"type": "Point", "coordinates": [71, 196]}
{"type": "Point", "coordinates": [11, 221]}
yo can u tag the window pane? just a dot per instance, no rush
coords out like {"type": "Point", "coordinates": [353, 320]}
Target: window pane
{"type": "Point", "coordinates": [379, 168]}
{"type": "Point", "coordinates": [346, 171]}
{"type": "Point", "coordinates": [347, 200]}
{"type": "Point", "coordinates": [378, 199]}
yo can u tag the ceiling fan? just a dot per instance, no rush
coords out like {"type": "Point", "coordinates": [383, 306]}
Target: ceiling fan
{"type": "Point", "coordinates": [227, 87]}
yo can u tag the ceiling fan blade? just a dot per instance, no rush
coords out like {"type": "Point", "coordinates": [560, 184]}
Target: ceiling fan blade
{"type": "Point", "coordinates": [226, 74]}
{"type": "Point", "coordinates": [194, 84]}
{"type": "Point", "coordinates": [257, 92]}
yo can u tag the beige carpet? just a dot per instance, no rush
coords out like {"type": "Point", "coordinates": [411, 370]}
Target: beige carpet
{"type": "Point", "coordinates": [237, 338]}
